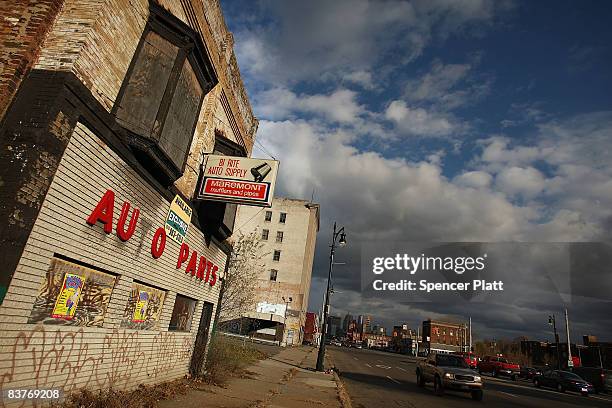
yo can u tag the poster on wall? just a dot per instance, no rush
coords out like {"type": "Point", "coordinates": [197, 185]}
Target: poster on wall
{"type": "Point", "coordinates": [140, 311]}
{"type": "Point", "coordinates": [178, 219]}
{"type": "Point", "coordinates": [238, 180]}
{"type": "Point", "coordinates": [70, 294]}
{"type": "Point", "coordinates": [143, 307]}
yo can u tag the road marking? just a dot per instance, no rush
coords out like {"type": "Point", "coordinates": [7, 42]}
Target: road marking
{"type": "Point", "coordinates": [355, 358]}
{"type": "Point", "coordinates": [384, 367]}
{"type": "Point", "coordinates": [368, 365]}
{"type": "Point", "coordinates": [507, 393]}
{"type": "Point", "coordinates": [401, 368]}
{"type": "Point", "coordinates": [394, 380]}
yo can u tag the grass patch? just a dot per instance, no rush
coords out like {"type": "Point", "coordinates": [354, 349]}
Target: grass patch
{"type": "Point", "coordinates": [228, 358]}
{"type": "Point", "coordinates": [143, 397]}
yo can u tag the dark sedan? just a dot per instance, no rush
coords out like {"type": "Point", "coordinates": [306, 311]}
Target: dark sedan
{"type": "Point", "coordinates": [529, 373]}
{"type": "Point", "coordinates": [563, 381]}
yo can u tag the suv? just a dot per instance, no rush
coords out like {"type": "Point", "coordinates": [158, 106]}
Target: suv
{"type": "Point", "coordinates": [499, 366]}
{"type": "Point", "coordinates": [449, 372]}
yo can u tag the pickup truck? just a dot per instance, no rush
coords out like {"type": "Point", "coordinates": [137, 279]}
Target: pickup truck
{"type": "Point", "coordinates": [449, 372]}
{"type": "Point", "coordinates": [499, 366]}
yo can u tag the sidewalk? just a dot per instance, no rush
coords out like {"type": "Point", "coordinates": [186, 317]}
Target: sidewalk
{"type": "Point", "coordinates": [285, 380]}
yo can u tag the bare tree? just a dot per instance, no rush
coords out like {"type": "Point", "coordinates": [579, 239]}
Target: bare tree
{"type": "Point", "coordinates": [245, 267]}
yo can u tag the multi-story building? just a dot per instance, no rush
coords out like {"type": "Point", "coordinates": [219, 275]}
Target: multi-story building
{"type": "Point", "coordinates": [365, 322]}
{"type": "Point", "coordinates": [334, 326]}
{"type": "Point", "coordinates": [288, 233]}
{"type": "Point", "coordinates": [445, 337]}
{"type": "Point", "coordinates": [346, 322]}
{"type": "Point", "coordinates": [110, 264]}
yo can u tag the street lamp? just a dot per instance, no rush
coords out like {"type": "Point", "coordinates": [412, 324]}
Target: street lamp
{"type": "Point", "coordinates": [552, 322]}
{"type": "Point", "coordinates": [341, 242]}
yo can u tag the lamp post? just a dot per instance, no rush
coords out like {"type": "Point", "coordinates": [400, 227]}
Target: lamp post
{"type": "Point", "coordinates": [552, 322]}
{"type": "Point", "coordinates": [341, 242]}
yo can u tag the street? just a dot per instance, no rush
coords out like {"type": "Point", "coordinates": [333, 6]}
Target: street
{"type": "Point", "coordinates": [375, 378]}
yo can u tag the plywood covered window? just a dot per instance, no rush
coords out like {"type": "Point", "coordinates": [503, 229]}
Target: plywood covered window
{"type": "Point", "coordinates": [161, 97]}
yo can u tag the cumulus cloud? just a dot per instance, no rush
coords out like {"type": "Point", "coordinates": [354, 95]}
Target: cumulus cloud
{"type": "Point", "coordinates": [339, 106]}
{"type": "Point", "coordinates": [527, 182]}
{"type": "Point", "coordinates": [420, 122]}
{"type": "Point", "coordinates": [316, 39]}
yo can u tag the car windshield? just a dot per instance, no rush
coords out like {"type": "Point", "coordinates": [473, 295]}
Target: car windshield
{"type": "Point", "coordinates": [502, 360]}
{"type": "Point", "coordinates": [450, 361]}
{"type": "Point", "coordinates": [570, 376]}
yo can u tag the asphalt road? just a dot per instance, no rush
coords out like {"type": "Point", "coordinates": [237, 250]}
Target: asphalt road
{"type": "Point", "coordinates": [378, 379]}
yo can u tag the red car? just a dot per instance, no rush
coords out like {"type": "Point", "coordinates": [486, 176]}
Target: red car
{"type": "Point", "coordinates": [499, 366]}
{"type": "Point", "coordinates": [470, 359]}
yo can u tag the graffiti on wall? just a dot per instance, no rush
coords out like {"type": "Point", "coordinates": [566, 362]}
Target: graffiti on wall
{"type": "Point", "coordinates": [61, 301]}
{"type": "Point", "coordinates": [68, 360]}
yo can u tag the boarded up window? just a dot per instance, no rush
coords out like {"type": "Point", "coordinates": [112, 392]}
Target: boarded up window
{"type": "Point", "coordinates": [146, 85]}
{"type": "Point", "coordinates": [178, 128]}
{"type": "Point", "coordinates": [182, 314]}
{"type": "Point", "coordinates": [143, 307]}
{"type": "Point", "coordinates": [72, 294]}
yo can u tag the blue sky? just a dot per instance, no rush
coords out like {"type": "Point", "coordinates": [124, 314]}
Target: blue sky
{"type": "Point", "coordinates": [435, 121]}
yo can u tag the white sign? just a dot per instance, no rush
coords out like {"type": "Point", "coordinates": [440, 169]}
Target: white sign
{"type": "Point", "coordinates": [271, 308]}
{"type": "Point", "coordinates": [239, 180]}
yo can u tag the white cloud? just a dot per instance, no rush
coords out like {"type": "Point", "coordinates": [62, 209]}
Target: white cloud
{"type": "Point", "coordinates": [420, 122]}
{"type": "Point", "coordinates": [339, 106]}
{"type": "Point", "coordinates": [527, 182]}
{"type": "Point", "coordinates": [474, 179]}
{"type": "Point", "coordinates": [315, 39]}
{"type": "Point", "coordinates": [361, 78]}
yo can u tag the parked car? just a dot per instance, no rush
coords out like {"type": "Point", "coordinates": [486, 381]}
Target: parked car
{"type": "Point", "coordinates": [499, 366]}
{"type": "Point", "coordinates": [449, 372]}
{"type": "Point", "coordinates": [470, 358]}
{"type": "Point", "coordinates": [599, 377]}
{"type": "Point", "coordinates": [529, 373]}
{"type": "Point", "coordinates": [563, 381]}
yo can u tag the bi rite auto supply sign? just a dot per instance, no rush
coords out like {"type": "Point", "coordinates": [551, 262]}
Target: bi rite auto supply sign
{"type": "Point", "coordinates": [239, 180]}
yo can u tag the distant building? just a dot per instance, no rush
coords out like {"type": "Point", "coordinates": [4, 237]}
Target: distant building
{"type": "Point", "coordinates": [334, 326]}
{"type": "Point", "coordinates": [346, 323]}
{"type": "Point", "coordinates": [403, 340]}
{"type": "Point", "coordinates": [288, 231]}
{"type": "Point", "coordinates": [376, 340]}
{"type": "Point", "coordinates": [312, 333]}
{"type": "Point", "coordinates": [445, 337]}
{"type": "Point", "coordinates": [365, 322]}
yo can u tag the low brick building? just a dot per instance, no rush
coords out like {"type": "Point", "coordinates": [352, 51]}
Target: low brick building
{"type": "Point", "coordinates": [444, 336]}
{"type": "Point", "coordinates": [111, 266]}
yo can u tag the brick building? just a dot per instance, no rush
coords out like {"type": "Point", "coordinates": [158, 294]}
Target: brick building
{"type": "Point", "coordinates": [288, 234]}
{"type": "Point", "coordinates": [107, 110]}
{"type": "Point", "coordinates": [445, 337]}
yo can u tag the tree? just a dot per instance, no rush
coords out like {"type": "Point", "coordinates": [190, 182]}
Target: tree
{"type": "Point", "coordinates": [245, 267]}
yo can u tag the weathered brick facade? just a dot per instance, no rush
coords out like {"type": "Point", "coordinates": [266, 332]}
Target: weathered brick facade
{"type": "Point", "coordinates": [62, 67]}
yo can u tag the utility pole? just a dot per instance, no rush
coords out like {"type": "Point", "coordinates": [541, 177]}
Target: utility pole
{"type": "Point", "coordinates": [552, 322]}
{"type": "Point", "coordinates": [570, 362]}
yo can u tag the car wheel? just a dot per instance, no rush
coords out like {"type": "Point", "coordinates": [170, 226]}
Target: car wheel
{"type": "Point", "coordinates": [438, 390]}
{"type": "Point", "coordinates": [477, 395]}
{"type": "Point", "coordinates": [560, 388]}
{"type": "Point", "coordinates": [536, 383]}
{"type": "Point", "coordinates": [420, 379]}
{"type": "Point", "coordinates": [495, 373]}
{"type": "Point", "coordinates": [513, 377]}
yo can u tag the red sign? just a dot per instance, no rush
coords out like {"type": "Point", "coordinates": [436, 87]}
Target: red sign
{"type": "Point", "coordinates": [238, 189]}
{"type": "Point", "coordinates": [203, 270]}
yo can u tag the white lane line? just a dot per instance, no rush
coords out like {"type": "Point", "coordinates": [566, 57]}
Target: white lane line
{"type": "Point", "coordinates": [401, 369]}
{"type": "Point", "coordinates": [355, 358]}
{"type": "Point", "coordinates": [394, 380]}
{"type": "Point", "coordinates": [507, 393]}
{"type": "Point", "coordinates": [368, 365]}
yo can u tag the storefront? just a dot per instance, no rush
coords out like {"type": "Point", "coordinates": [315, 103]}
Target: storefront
{"type": "Point", "coordinates": [99, 303]}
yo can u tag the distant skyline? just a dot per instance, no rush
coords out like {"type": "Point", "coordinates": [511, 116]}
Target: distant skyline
{"type": "Point", "coordinates": [438, 121]}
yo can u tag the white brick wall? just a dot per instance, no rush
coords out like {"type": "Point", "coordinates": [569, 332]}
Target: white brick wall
{"type": "Point", "coordinates": [69, 357]}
